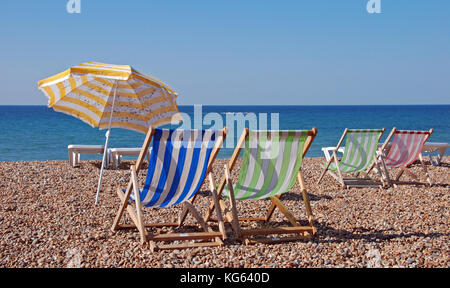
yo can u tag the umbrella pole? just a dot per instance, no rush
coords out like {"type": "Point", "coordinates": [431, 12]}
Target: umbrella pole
{"type": "Point", "coordinates": [105, 152]}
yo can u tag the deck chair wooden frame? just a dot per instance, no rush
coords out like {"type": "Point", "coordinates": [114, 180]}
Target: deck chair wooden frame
{"type": "Point", "coordinates": [230, 215]}
{"type": "Point", "coordinates": [206, 237]}
{"type": "Point", "coordinates": [355, 181]}
{"type": "Point", "coordinates": [403, 168]}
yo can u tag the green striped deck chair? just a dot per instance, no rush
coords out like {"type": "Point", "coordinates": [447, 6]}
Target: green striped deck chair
{"type": "Point", "coordinates": [179, 163]}
{"type": "Point", "coordinates": [360, 153]}
{"type": "Point", "coordinates": [270, 166]}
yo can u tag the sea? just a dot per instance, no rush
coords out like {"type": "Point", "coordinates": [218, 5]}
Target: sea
{"type": "Point", "coordinates": [37, 133]}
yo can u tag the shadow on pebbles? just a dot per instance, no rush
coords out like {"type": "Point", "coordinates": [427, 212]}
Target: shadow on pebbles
{"type": "Point", "coordinates": [48, 219]}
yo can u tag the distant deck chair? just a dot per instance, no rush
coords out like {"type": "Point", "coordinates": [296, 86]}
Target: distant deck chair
{"type": "Point", "coordinates": [271, 164]}
{"type": "Point", "coordinates": [405, 149]}
{"type": "Point", "coordinates": [115, 155]}
{"type": "Point", "coordinates": [360, 152]}
{"type": "Point", "coordinates": [179, 163]}
{"type": "Point", "coordinates": [76, 150]}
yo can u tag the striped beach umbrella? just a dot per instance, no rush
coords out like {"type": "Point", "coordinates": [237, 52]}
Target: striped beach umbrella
{"type": "Point", "coordinates": [111, 96]}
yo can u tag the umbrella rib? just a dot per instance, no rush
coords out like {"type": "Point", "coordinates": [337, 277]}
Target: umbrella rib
{"type": "Point", "coordinates": [111, 93]}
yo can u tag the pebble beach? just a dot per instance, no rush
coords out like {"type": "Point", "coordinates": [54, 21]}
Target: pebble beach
{"type": "Point", "coordinates": [48, 219]}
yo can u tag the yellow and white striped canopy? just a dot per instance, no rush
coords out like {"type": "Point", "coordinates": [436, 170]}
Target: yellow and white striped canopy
{"type": "Point", "coordinates": [86, 92]}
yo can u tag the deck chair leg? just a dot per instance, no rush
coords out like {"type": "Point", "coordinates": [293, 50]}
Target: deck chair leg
{"type": "Point", "coordinates": [189, 207]}
{"type": "Point", "coordinates": [425, 169]}
{"type": "Point", "coordinates": [212, 204]}
{"type": "Point", "coordinates": [235, 217]}
{"type": "Point", "coordinates": [77, 159]}
{"type": "Point", "coordinates": [309, 213]}
{"type": "Point", "coordinates": [71, 163]}
{"type": "Point", "coordinates": [412, 175]}
{"type": "Point", "coordinates": [217, 205]}
{"type": "Point", "coordinates": [338, 169]}
{"type": "Point", "coordinates": [185, 210]}
{"type": "Point", "coordinates": [230, 166]}
{"type": "Point", "coordinates": [210, 211]}
{"type": "Point", "coordinates": [378, 170]}
{"type": "Point", "coordinates": [182, 215]}
{"type": "Point", "coordinates": [404, 169]}
{"type": "Point", "coordinates": [271, 209]}
{"type": "Point", "coordinates": [400, 174]}
{"type": "Point", "coordinates": [334, 156]}
{"type": "Point", "coordinates": [371, 166]}
{"type": "Point", "coordinates": [285, 211]}
{"type": "Point", "coordinates": [378, 159]}
{"type": "Point", "coordinates": [135, 217]}
{"type": "Point", "coordinates": [386, 171]}
{"type": "Point", "coordinates": [196, 215]}
{"type": "Point", "coordinates": [397, 178]}
{"type": "Point", "coordinates": [137, 197]}
{"type": "Point", "coordinates": [325, 170]}
{"type": "Point", "coordinates": [122, 207]}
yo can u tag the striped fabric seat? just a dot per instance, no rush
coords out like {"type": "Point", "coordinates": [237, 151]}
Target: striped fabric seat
{"type": "Point", "coordinates": [406, 147]}
{"type": "Point", "coordinates": [270, 164]}
{"type": "Point", "coordinates": [360, 149]}
{"type": "Point", "coordinates": [177, 166]}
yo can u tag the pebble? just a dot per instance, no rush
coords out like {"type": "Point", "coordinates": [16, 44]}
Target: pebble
{"type": "Point", "coordinates": [48, 219]}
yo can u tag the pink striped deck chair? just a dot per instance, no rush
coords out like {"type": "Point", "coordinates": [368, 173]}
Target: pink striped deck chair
{"type": "Point", "coordinates": [405, 149]}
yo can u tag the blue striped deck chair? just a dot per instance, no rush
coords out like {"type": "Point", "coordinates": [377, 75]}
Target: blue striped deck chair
{"type": "Point", "coordinates": [271, 164]}
{"type": "Point", "coordinates": [180, 161]}
{"type": "Point", "coordinates": [360, 153]}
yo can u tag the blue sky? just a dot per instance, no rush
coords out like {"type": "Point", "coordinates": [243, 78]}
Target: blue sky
{"type": "Point", "coordinates": [299, 52]}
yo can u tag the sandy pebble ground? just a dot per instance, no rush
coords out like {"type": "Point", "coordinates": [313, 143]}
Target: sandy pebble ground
{"type": "Point", "coordinates": [48, 219]}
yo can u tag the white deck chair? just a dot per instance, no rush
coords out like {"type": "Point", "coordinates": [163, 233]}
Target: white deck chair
{"type": "Point", "coordinates": [76, 150]}
{"type": "Point", "coordinates": [115, 154]}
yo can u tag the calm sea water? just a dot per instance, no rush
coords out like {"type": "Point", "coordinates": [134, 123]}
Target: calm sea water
{"type": "Point", "coordinates": [38, 133]}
